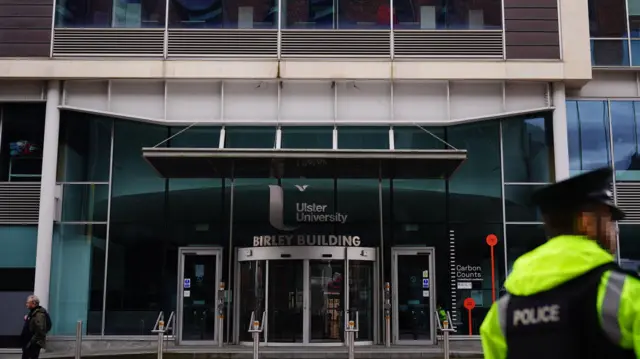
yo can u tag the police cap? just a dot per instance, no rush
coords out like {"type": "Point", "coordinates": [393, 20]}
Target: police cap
{"type": "Point", "coordinates": [573, 193]}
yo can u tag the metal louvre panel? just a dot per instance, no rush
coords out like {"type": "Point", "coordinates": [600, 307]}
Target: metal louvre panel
{"type": "Point", "coordinates": [448, 43]}
{"type": "Point", "coordinates": [108, 42]}
{"type": "Point", "coordinates": [19, 202]}
{"type": "Point", "coordinates": [336, 43]}
{"type": "Point", "coordinates": [223, 42]}
{"type": "Point", "coordinates": [628, 199]}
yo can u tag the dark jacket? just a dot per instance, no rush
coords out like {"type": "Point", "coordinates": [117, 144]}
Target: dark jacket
{"type": "Point", "coordinates": [34, 330]}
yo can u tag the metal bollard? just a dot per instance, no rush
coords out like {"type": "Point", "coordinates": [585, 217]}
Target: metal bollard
{"type": "Point", "coordinates": [445, 339]}
{"type": "Point", "coordinates": [352, 339]}
{"type": "Point", "coordinates": [255, 329]}
{"type": "Point", "coordinates": [160, 338]}
{"type": "Point", "coordinates": [79, 339]}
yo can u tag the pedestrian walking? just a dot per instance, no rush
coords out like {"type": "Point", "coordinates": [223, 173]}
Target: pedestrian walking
{"type": "Point", "coordinates": [34, 332]}
{"type": "Point", "coordinates": [568, 298]}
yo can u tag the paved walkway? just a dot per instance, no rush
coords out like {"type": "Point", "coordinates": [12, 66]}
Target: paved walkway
{"type": "Point", "coordinates": [459, 349]}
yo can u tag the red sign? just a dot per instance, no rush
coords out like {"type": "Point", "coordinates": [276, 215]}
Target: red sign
{"type": "Point", "coordinates": [469, 303]}
{"type": "Point", "coordinates": [492, 240]}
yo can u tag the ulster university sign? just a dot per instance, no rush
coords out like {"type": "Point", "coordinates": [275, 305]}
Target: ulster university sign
{"type": "Point", "coordinates": [306, 212]}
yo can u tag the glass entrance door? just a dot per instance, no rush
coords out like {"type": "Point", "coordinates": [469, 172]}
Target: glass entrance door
{"type": "Point", "coordinates": [309, 291]}
{"type": "Point", "coordinates": [199, 277]}
{"type": "Point", "coordinates": [413, 299]}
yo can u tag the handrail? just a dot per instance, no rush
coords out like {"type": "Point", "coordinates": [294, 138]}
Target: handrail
{"type": "Point", "coordinates": [170, 323]}
{"type": "Point", "coordinates": [160, 318]}
{"type": "Point", "coordinates": [446, 328]}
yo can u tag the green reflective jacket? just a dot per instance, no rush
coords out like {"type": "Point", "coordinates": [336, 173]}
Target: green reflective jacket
{"type": "Point", "coordinates": [553, 263]}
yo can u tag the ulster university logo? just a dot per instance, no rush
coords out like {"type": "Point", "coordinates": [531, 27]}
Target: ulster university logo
{"type": "Point", "coordinates": [276, 208]}
{"type": "Point", "coordinates": [306, 212]}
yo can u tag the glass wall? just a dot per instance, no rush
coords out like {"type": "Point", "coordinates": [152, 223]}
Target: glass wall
{"type": "Point", "coordinates": [123, 224]}
{"type": "Point", "coordinates": [615, 32]}
{"type": "Point", "coordinates": [606, 132]}
{"type": "Point", "coordinates": [296, 14]}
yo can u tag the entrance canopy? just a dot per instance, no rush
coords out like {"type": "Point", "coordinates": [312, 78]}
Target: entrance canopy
{"type": "Point", "coordinates": [307, 163]}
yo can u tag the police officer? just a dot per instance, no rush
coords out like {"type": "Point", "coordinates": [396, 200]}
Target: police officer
{"type": "Point", "coordinates": [567, 298]}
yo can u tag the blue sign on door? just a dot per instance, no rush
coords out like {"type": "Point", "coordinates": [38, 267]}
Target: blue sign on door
{"type": "Point", "coordinates": [187, 283]}
{"type": "Point", "coordinates": [425, 283]}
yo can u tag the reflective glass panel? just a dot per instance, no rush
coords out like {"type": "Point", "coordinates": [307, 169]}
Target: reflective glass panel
{"type": "Point", "coordinates": [85, 148]}
{"type": "Point", "coordinates": [448, 14]}
{"type": "Point", "coordinates": [607, 18]}
{"type": "Point", "coordinates": [630, 246]}
{"type": "Point", "coordinates": [361, 297]}
{"type": "Point", "coordinates": [199, 307]}
{"type": "Point", "coordinates": [416, 138]}
{"type": "Point", "coordinates": [252, 295]}
{"type": "Point", "coordinates": [473, 266]}
{"type": "Point", "coordinates": [307, 137]}
{"type": "Point", "coordinates": [195, 137]}
{"type": "Point", "coordinates": [250, 137]}
{"type": "Point", "coordinates": [227, 14]}
{"type": "Point", "coordinates": [522, 238]}
{"type": "Point", "coordinates": [362, 137]}
{"type": "Point", "coordinates": [85, 202]}
{"type": "Point", "coordinates": [518, 206]}
{"type": "Point", "coordinates": [609, 52]}
{"type": "Point", "coordinates": [77, 277]}
{"type": "Point", "coordinates": [110, 13]}
{"type": "Point", "coordinates": [635, 52]}
{"type": "Point", "coordinates": [414, 307]}
{"type": "Point", "coordinates": [527, 149]}
{"type": "Point", "coordinates": [327, 301]}
{"type": "Point", "coordinates": [588, 130]}
{"type": "Point", "coordinates": [286, 301]}
{"type": "Point", "coordinates": [475, 190]}
{"type": "Point", "coordinates": [633, 11]}
{"type": "Point", "coordinates": [626, 139]}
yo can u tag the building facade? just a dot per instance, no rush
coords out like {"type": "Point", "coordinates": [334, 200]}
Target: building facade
{"type": "Point", "coordinates": [288, 159]}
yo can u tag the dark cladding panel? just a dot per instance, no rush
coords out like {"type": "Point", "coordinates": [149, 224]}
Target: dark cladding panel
{"type": "Point", "coordinates": [531, 29]}
{"type": "Point", "coordinates": [25, 28]}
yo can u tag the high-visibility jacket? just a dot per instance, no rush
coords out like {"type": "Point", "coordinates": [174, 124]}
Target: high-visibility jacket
{"type": "Point", "coordinates": [555, 263]}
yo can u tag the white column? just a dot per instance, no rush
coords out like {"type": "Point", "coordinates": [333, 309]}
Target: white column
{"type": "Point", "coordinates": [47, 194]}
{"type": "Point", "coordinates": [560, 132]}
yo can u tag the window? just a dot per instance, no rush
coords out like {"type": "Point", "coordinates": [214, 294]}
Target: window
{"type": "Point", "coordinates": [77, 277]}
{"type": "Point", "coordinates": [588, 130]}
{"type": "Point", "coordinates": [416, 138]}
{"type": "Point", "coordinates": [626, 139]}
{"type": "Point", "coordinates": [629, 246]}
{"type": "Point", "coordinates": [527, 149]}
{"type": "Point", "coordinates": [195, 137]}
{"type": "Point", "coordinates": [22, 130]}
{"type": "Point", "coordinates": [475, 190]}
{"type": "Point", "coordinates": [523, 238]}
{"type": "Point", "coordinates": [110, 13]}
{"type": "Point", "coordinates": [227, 14]}
{"type": "Point", "coordinates": [518, 206]}
{"type": "Point", "coordinates": [607, 18]}
{"type": "Point", "coordinates": [250, 137]}
{"type": "Point", "coordinates": [328, 14]}
{"type": "Point", "coordinates": [361, 137]}
{"type": "Point", "coordinates": [307, 137]}
{"type": "Point", "coordinates": [450, 15]}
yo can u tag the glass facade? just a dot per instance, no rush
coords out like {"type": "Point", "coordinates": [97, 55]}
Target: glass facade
{"type": "Point", "coordinates": [125, 226]}
{"type": "Point", "coordinates": [263, 14]}
{"type": "Point", "coordinates": [615, 32]}
{"type": "Point", "coordinates": [605, 132]}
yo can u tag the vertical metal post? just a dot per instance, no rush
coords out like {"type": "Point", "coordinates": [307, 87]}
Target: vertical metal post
{"type": "Point", "coordinates": [445, 344]}
{"type": "Point", "coordinates": [352, 339]}
{"type": "Point", "coordinates": [387, 314]}
{"type": "Point", "coordinates": [79, 339]}
{"type": "Point", "coordinates": [160, 338]}
{"type": "Point", "coordinates": [255, 328]}
{"type": "Point", "coordinates": [221, 305]}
